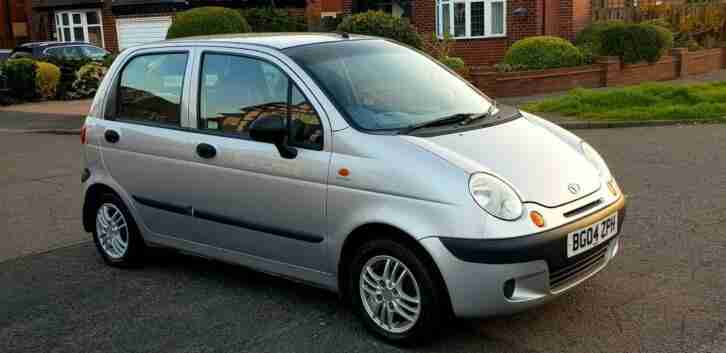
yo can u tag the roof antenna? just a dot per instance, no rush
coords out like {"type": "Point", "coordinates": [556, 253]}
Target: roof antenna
{"type": "Point", "coordinates": [344, 35]}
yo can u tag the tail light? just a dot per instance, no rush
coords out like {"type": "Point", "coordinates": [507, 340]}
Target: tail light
{"type": "Point", "coordinates": [83, 135]}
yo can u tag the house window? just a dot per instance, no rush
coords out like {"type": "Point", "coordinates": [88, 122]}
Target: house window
{"type": "Point", "coordinates": [471, 18]}
{"type": "Point", "coordinates": [80, 26]}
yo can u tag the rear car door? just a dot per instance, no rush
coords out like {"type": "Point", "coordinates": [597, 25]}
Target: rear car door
{"type": "Point", "coordinates": [142, 146]}
{"type": "Point", "coordinates": [248, 198]}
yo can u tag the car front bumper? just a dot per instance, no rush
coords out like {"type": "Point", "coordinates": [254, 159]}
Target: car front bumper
{"type": "Point", "coordinates": [488, 277]}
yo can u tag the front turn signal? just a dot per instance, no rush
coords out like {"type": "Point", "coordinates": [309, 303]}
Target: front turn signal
{"type": "Point", "coordinates": [537, 219]}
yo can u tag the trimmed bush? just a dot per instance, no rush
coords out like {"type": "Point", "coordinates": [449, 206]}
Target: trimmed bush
{"type": "Point", "coordinates": [268, 19]}
{"type": "Point", "coordinates": [47, 77]}
{"type": "Point", "coordinates": [88, 79]}
{"type": "Point", "coordinates": [635, 43]}
{"type": "Point", "coordinates": [20, 74]}
{"type": "Point", "coordinates": [381, 24]}
{"type": "Point", "coordinates": [207, 20]}
{"type": "Point", "coordinates": [590, 37]}
{"type": "Point", "coordinates": [68, 68]}
{"type": "Point", "coordinates": [543, 52]}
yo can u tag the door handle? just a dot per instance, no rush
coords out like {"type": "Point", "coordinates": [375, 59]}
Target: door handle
{"type": "Point", "coordinates": [111, 136]}
{"type": "Point", "coordinates": [206, 150]}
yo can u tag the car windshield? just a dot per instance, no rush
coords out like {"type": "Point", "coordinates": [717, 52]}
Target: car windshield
{"type": "Point", "coordinates": [384, 86]}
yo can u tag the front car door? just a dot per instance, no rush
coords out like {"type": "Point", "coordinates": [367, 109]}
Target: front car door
{"type": "Point", "coordinates": [247, 197]}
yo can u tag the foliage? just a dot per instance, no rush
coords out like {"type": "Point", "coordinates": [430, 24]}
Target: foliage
{"type": "Point", "coordinates": [701, 21]}
{"type": "Point", "coordinates": [635, 43]}
{"type": "Point", "coordinates": [88, 78]}
{"type": "Point", "coordinates": [20, 75]}
{"type": "Point", "coordinates": [329, 24]}
{"type": "Point", "coordinates": [440, 49]}
{"type": "Point", "coordinates": [590, 37]}
{"type": "Point", "coordinates": [269, 19]}
{"type": "Point", "coordinates": [543, 52]}
{"type": "Point", "coordinates": [647, 101]}
{"type": "Point", "coordinates": [47, 77]}
{"type": "Point", "coordinates": [69, 68]}
{"type": "Point", "coordinates": [108, 60]}
{"type": "Point", "coordinates": [379, 23]}
{"type": "Point", "coordinates": [206, 21]}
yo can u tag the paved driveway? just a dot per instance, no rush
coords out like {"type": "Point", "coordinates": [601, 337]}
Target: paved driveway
{"type": "Point", "coordinates": [664, 293]}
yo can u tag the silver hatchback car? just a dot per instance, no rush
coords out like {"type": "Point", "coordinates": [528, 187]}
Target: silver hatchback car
{"type": "Point", "coordinates": [348, 162]}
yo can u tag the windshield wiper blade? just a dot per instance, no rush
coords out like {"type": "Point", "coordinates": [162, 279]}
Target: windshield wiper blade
{"type": "Point", "coordinates": [449, 119]}
{"type": "Point", "coordinates": [487, 114]}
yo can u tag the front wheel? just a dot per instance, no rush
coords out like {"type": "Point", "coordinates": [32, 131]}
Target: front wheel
{"type": "Point", "coordinates": [395, 292]}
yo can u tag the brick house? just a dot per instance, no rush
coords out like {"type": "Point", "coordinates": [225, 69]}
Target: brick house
{"type": "Point", "coordinates": [14, 22]}
{"type": "Point", "coordinates": [118, 24]}
{"type": "Point", "coordinates": [484, 29]}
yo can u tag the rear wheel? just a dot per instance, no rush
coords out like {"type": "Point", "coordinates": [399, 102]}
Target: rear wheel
{"type": "Point", "coordinates": [115, 233]}
{"type": "Point", "coordinates": [395, 292]}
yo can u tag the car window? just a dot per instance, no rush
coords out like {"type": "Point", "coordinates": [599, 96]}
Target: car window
{"type": "Point", "coordinates": [94, 52]}
{"type": "Point", "coordinates": [150, 89]}
{"type": "Point", "coordinates": [236, 90]}
{"type": "Point", "coordinates": [74, 53]}
{"type": "Point", "coordinates": [55, 52]}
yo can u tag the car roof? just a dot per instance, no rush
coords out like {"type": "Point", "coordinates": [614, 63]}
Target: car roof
{"type": "Point", "coordinates": [274, 40]}
{"type": "Point", "coordinates": [51, 44]}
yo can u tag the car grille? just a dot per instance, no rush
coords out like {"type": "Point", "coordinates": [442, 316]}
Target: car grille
{"type": "Point", "coordinates": [577, 269]}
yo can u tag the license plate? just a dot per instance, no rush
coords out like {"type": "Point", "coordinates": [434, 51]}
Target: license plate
{"type": "Point", "coordinates": [589, 237]}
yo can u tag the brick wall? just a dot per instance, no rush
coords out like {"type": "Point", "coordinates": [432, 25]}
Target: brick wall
{"type": "Point", "coordinates": [607, 71]}
{"type": "Point", "coordinates": [110, 38]}
{"type": "Point", "coordinates": [582, 14]}
{"type": "Point", "coordinates": [486, 51]}
{"type": "Point", "coordinates": [566, 19]}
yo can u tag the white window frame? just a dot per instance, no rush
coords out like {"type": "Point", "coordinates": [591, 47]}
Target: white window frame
{"type": "Point", "coordinates": [59, 26]}
{"type": "Point", "coordinates": [467, 23]}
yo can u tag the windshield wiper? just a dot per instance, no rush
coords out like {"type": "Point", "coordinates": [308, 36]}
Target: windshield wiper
{"type": "Point", "coordinates": [487, 114]}
{"type": "Point", "coordinates": [449, 119]}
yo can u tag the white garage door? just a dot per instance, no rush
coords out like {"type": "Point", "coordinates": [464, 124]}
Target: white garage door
{"type": "Point", "coordinates": [140, 30]}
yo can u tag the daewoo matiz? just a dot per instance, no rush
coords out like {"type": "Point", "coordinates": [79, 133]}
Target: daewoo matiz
{"type": "Point", "coordinates": [348, 162]}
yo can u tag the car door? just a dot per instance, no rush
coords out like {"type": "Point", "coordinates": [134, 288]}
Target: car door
{"type": "Point", "coordinates": [248, 198]}
{"type": "Point", "coordinates": [142, 144]}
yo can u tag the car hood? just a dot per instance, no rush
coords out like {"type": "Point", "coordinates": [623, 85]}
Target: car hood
{"type": "Point", "coordinates": [536, 162]}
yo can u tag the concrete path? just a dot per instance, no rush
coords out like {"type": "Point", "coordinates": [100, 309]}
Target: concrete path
{"type": "Point", "coordinates": [73, 108]}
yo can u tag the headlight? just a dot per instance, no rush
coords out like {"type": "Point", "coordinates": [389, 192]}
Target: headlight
{"type": "Point", "coordinates": [495, 196]}
{"type": "Point", "coordinates": [596, 161]}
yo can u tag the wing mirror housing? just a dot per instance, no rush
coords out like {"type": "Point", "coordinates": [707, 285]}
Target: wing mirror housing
{"type": "Point", "coordinates": [273, 129]}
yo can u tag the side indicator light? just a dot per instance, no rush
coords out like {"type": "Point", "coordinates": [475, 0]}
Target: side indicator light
{"type": "Point", "coordinates": [537, 219]}
{"type": "Point", "coordinates": [344, 172]}
{"type": "Point", "coordinates": [613, 189]}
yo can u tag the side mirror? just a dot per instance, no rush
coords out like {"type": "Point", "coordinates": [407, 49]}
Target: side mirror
{"type": "Point", "coordinates": [272, 129]}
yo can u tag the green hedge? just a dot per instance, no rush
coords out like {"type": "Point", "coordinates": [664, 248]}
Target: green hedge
{"type": "Point", "coordinates": [206, 21]}
{"type": "Point", "coordinates": [543, 52]}
{"type": "Point", "coordinates": [590, 37]}
{"type": "Point", "coordinates": [381, 24]}
{"type": "Point", "coordinates": [268, 19]}
{"type": "Point", "coordinates": [20, 74]}
{"type": "Point", "coordinates": [635, 43]}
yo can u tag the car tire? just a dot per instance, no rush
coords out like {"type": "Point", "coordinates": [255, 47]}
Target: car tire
{"type": "Point", "coordinates": [115, 233]}
{"type": "Point", "coordinates": [421, 279]}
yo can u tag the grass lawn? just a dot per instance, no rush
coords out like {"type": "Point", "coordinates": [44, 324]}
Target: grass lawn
{"type": "Point", "coordinates": [647, 101]}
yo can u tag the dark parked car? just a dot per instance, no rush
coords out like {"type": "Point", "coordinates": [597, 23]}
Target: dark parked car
{"type": "Point", "coordinates": [4, 54]}
{"type": "Point", "coordinates": [60, 50]}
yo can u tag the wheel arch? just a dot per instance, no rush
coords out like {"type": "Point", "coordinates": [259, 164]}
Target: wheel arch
{"type": "Point", "coordinates": [370, 231]}
{"type": "Point", "coordinates": [93, 193]}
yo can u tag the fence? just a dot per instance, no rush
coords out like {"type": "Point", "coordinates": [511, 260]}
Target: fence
{"type": "Point", "coordinates": [639, 10]}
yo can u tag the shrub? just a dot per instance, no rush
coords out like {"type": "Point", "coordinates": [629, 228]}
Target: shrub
{"type": "Point", "coordinates": [544, 52]}
{"type": "Point", "coordinates": [88, 79]}
{"type": "Point", "coordinates": [636, 42]}
{"type": "Point", "coordinates": [47, 78]}
{"type": "Point", "coordinates": [590, 37]}
{"type": "Point", "coordinates": [379, 23]}
{"type": "Point", "coordinates": [329, 24]}
{"type": "Point", "coordinates": [502, 67]}
{"type": "Point", "coordinates": [441, 50]}
{"type": "Point", "coordinates": [20, 75]}
{"type": "Point", "coordinates": [269, 19]}
{"type": "Point", "coordinates": [68, 68]}
{"type": "Point", "coordinates": [108, 60]}
{"type": "Point", "coordinates": [207, 20]}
